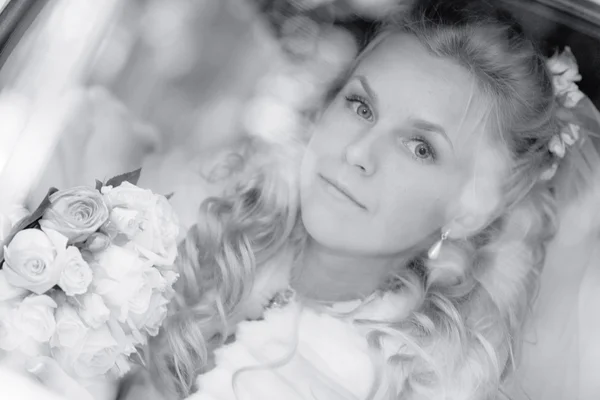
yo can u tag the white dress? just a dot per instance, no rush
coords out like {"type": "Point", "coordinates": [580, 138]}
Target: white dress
{"type": "Point", "coordinates": [269, 365]}
{"type": "Point", "coordinates": [295, 353]}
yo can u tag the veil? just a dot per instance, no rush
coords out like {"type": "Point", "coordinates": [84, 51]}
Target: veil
{"type": "Point", "coordinates": [561, 353]}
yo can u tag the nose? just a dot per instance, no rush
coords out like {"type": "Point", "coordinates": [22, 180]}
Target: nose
{"type": "Point", "coordinates": [360, 154]}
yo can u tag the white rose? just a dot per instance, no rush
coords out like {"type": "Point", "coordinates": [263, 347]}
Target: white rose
{"type": "Point", "coordinates": [152, 320]}
{"type": "Point", "coordinates": [124, 281]}
{"type": "Point", "coordinates": [127, 336]}
{"type": "Point", "coordinates": [124, 221]}
{"type": "Point", "coordinates": [70, 330]}
{"type": "Point", "coordinates": [122, 366]}
{"type": "Point", "coordinates": [97, 242]}
{"type": "Point", "coordinates": [147, 219]}
{"type": "Point", "coordinates": [76, 213]}
{"type": "Point", "coordinates": [140, 302]}
{"type": "Point", "coordinates": [93, 310]}
{"type": "Point", "coordinates": [565, 72]}
{"type": "Point", "coordinates": [154, 279]}
{"type": "Point", "coordinates": [573, 98]}
{"type": "Point", "coordinates": [564, 63]}
{"type": "Point", "coordinates": [97, 355]}
{"type": "Point", "coordinates": [35, 317]}
{"type": "Point", "coordinates": [76, 274]}
{"type": "Point", "coordinates": [11, 336]}
{"type": "Point", "coordinates": [563, 85]}
{"type": "Point", "coordinates": [8, 291]}
{"type": "Point", "coordinates": [170, 277]}
{"type": "Point", "coordinates": [30, 259]}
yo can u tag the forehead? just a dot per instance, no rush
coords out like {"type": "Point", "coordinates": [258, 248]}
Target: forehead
{"type": "Point", "coordinates": [410, 82]}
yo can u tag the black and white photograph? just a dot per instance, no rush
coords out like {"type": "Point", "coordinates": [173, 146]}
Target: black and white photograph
{"type": "Point", "coordinates": [299, 199]}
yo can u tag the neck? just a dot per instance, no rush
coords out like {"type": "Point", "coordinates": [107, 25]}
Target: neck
{"type": "Point", "coordinates": [328, 275]}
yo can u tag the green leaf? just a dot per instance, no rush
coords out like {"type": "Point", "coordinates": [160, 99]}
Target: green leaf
{"type": "Point", "coordinates": [29, 221]}
{"type": "Point", "coordinates": [131, 177]}
{"type": "Point", "coordinates": [168, 196]}
{"type": "Point", "coordinates": [99, 185]}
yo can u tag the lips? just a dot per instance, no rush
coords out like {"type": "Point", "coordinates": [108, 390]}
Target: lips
{"type": "Point", "coordinates": [342, 190]}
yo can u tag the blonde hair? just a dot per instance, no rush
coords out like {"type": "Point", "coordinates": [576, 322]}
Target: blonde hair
{"type": "Point", "coordinates": [462, 339]}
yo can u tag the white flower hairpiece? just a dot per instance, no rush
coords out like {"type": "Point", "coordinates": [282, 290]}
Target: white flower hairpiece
{"type": "Point", "coordinates": [565, 72]}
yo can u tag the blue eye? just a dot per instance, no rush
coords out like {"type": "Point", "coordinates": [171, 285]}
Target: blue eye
{"type": "Point", "coordinates": [360, 106]}
{"type": "Point", "coordinates": [421, 149]}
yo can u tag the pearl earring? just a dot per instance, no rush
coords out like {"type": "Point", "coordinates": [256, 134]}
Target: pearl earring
{"type": "Point", "coordinates": [434, 251]}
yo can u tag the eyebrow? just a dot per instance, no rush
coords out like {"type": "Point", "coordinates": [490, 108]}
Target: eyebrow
{"type": "Point", "coordinates": [427, 126]}
{"type": "Point", "coordinates": [365, 84]}
{"type": "Point", "coordinates": [420, 124]}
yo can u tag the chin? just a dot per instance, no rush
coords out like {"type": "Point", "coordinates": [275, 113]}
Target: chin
{"type": "Point", "coordinates": [334, 225]}
{"type": "Point", "coordinates": [324, 226]}
{"type": "Point", "coordinates": [346, 236]}
{"type": "Point", "coordinates": [334, 232]}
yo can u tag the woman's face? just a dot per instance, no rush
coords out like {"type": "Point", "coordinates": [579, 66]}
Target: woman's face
{"type": "Point", "coordinates": [391, 155]}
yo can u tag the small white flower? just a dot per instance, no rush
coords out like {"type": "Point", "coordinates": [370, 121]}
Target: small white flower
{"type": "Point", "coordinates": [570, 134]}
{"type": "Point", "coordinates": [11, 336]}
{"type": "Point", "coordinates": [76, 274]}
{"type": "Point", "coordinates": [564, 63]}
{"type": "Point", "coordinates": [557, 146]}
{"type": "Point", "coordinates": [124, 280]}
{"type": "Point", "coordinates": [93, 310]}
{"type": "Point", "coordinates": [8, 291]}
{"type": "Point", "coordinates": [35, 317]}
{"type": "Point", "coordinates": [97, 242]}
{"type": "Point", "coordinates": [152, 320]}
{"type": "Point", "coordinates": [575, 131]}
{"type": "Point", "coordinates": [572, 98]}
{"type": "Point", "coordinates": [549, 173]}
{"type": "Point", "coordinates": [125, 221]}
{"type": "Point", "coordinates": [146, 219]}
{"type": "Point", "coordinates": [567, 137]}
{"type": "Point", "coordinates": [565, 73]}
{"type": "Point", "coordinates": [97, 355]}
{"type": "Point", "coordinates": [70, 330]}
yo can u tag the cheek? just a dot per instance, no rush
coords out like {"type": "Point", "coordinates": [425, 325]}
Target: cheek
{"type": "Point", "coordinates": [334, 129]}
{"type": "Point", "coordinates": [326, 145]}
{"type": "Point", "coordinates": [416, 214]}
{"type": "Point", "coordinates": [413, 208]}
{"type": "Point", "coordinates": [308, 178]}
{"type": "Point", "coordinates": [309, 163]}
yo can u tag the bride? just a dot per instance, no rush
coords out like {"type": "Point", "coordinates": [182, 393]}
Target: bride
{"type": "Point", "coordinates": [397, 253]}
{"type": "Point", "coordinates": [402, 259]}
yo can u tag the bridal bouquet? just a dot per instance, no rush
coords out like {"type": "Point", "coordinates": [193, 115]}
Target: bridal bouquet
{"type": "Point", "coordinates": [86, 278]}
